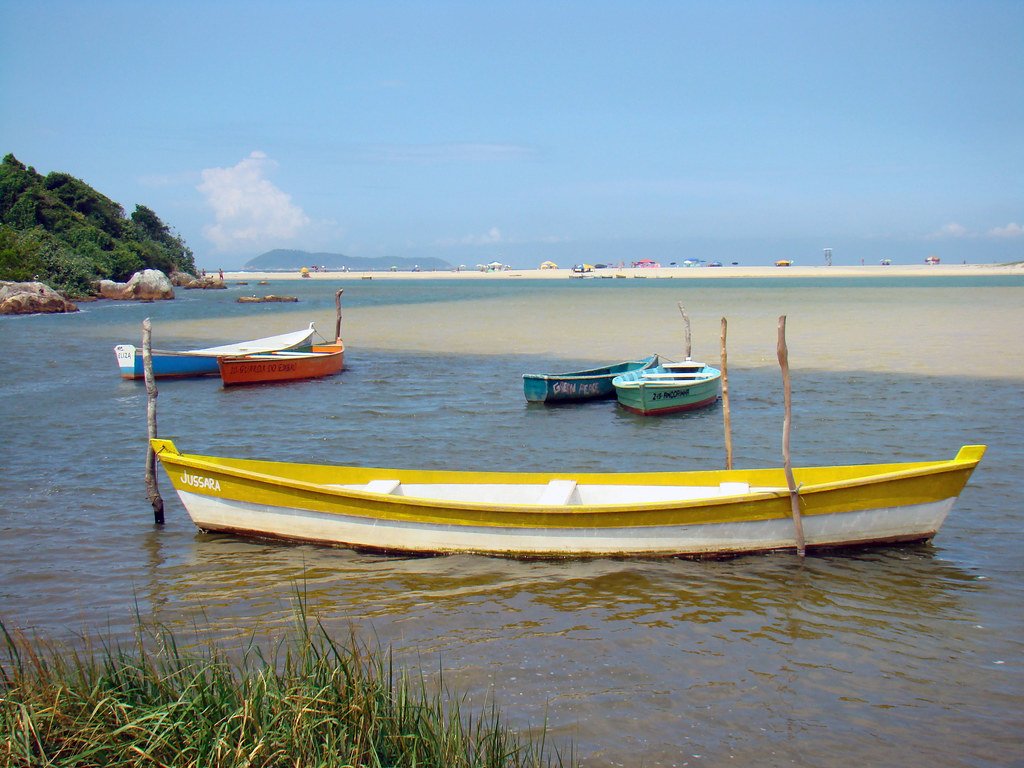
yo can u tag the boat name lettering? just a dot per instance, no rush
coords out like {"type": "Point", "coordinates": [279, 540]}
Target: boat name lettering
{"type": "Point", "coordinates": [197, 481]}
{"type": "Point", "coordinates": [574, 388]}
{"type": "Point", "coordinates": [670, 394]}
{"type": "Point", "coordinates": [267, 367]}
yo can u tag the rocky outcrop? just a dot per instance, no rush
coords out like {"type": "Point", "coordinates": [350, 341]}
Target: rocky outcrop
{"type": "Point", "coordinates": [31, 298]}
{"type": "Point", "coordinates": [264, 299]}
{"type": "Point", "coordinates": [147, 285]}
{"type": "Point", "coordinates": [190, 282]}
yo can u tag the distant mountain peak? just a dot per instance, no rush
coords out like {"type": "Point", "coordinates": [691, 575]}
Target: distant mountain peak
{"type": "Point", "coordinates": [287, 259]}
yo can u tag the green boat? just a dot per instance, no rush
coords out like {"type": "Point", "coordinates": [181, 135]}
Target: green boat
{"type": "Point", "coordinates": [592, 384]}
{"type": "Point", "coordinates": [668, 388]}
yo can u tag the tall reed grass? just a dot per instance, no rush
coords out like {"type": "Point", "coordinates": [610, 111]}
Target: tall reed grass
{"type": "Point", "coordinates": [314, 702]}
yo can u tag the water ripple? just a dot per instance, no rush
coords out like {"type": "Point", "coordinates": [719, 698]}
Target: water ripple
{"type": "Point", "coordinates": [909, 651]}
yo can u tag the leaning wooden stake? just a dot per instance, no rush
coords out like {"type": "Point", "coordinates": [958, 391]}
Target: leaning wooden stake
{"type": "Point", "coordinates": [337, 324]}
{"type": "Point", "coordinates": [151, 393]}
{"type": "Point", "coordinates": [794, 492]}
{"type": "Point", "coordinates": [725, 399]}
{"type": "Point", "coordinates": [686, 325]}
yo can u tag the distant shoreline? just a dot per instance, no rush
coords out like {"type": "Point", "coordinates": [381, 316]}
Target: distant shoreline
{"type": "Point", "coordinates": [873, 271]}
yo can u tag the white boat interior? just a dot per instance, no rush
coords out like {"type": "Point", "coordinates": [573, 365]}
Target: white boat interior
{"type": "Point", "coordinates": [680, 376]}
{"type": "Point", "coordinates": [557, 492]}
{"type": "Point", "coordinates": [266, 344]}
{"type": "Point", "coordinates": [688, 365]}
{"type": "Point", "coordinates": [285, 354]}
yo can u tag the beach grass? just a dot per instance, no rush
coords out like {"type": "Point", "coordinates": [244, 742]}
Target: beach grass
{"type": "Point", "coordinates": [312, 702]}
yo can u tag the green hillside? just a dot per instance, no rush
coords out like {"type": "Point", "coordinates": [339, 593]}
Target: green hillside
{"type": "Point", "coordinates": [60, 231]}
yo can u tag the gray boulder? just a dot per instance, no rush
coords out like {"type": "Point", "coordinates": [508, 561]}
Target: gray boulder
{"type": "Point", "coordinates": [147, 285]}
{"type": "Point", "coordinates": [31, 298]}
{"type": "Point", "coordinates": [189, 282]}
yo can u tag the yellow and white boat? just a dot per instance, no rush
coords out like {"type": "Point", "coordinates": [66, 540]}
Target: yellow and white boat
{"type": "Point", "coordinates": [697, 514]}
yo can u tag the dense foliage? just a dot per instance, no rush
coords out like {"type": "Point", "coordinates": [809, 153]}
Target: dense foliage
{"type": "Point", "coordinates": [59, 230]}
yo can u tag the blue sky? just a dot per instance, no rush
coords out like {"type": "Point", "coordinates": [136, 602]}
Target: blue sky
{"type": "Point", "coordinates": [524, 131]}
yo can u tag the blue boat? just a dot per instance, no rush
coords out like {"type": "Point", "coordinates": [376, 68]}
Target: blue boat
{"type": "Point", "coordinates": [203, 362]}
{"type": "Point", "coordinates": [592, 384]}
{"type": "Point", "coordinates": [668, 388]}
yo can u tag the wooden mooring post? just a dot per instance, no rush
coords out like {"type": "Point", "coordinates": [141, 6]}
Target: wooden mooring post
{"type": "Point", "coordinates": [686, 326]}
{"type": "Point", "coordinates": [337, 322]}
{"type": "Point", "coordinates": [147, 366]}
{"type": "Point", "coordinates": [726, 417]}
{"type": "Point", "coordinates": [794, 491]}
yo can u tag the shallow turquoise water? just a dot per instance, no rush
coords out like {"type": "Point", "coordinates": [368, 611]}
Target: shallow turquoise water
{"type": "Point", "coordinates": [909, 656]}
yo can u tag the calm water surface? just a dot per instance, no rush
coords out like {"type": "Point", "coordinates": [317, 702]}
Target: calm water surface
{"type": "Point", "coordinates": [903, 656]}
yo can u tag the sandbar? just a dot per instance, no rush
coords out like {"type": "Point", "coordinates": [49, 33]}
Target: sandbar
{"type": "Point", "coordinates": [728, 272]}
{"type": "Point", "coordinates": [856, 325]}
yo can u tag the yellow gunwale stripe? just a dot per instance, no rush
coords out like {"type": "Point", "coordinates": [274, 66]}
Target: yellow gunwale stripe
{"type": "Point", "coordinates": [745, 507]}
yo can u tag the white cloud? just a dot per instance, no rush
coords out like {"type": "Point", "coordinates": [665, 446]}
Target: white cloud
{"type": "Point", "coordinates": [456, 152]}
{"type": "Point", "coordinates": [157, 181]}
{"type": "Point", "coordinates": [958, 231]}
{"type": "Point", "coordinates": [249, 210]}
{"type": "Point", "coordinates": [951, 230]}
{"type": "Point", "coordinates": [490, 237]}
{"type": "Point", "coordinates": [1011, 230]}
{"type": "Point", "coordinates": [494, 236]}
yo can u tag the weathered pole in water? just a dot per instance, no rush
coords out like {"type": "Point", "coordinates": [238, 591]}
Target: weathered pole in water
{"type": "Point", "coordinates": [725, 399]}
{"type": "Point", "coordinates": [151, 393]}
{"type": "Point", "coordinates": [794, 492]}
{"type": "Point", "coordinates": [337, 306]}
{"type": "Point", "coordinates": [686, 325]}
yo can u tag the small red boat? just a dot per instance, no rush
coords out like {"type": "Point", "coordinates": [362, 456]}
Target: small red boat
{"type": "Point", "coordinates": [284, 365]}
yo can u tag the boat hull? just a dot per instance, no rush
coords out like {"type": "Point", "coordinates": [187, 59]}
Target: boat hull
{"type": "Point", "coordinates": [885, 525]}
{"type": "Point", "coordinates": [593, 384]}
{"type": "Point", "coordinates": [692, 514]}
{"type": "Point", "coordinates": [322, 360]}
{"type": "Point", "coordinates": [637, 392]}
{"type": "Point", "coordinates": [202, 362]}
{"type": "Point", "coordinates": [165, 364]}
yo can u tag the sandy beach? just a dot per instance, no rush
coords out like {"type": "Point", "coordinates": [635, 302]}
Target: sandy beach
{"type": "Point", "coordinates": [860, 322]}
{"type": "Point", "coordinates": [867, 271]}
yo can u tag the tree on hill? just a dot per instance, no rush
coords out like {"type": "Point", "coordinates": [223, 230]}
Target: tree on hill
{"type": "Point", "coordinates": [58, 229]}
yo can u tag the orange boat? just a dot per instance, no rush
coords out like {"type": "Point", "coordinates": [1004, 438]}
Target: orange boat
{"type": "Point", "coordinates": [284, 365]}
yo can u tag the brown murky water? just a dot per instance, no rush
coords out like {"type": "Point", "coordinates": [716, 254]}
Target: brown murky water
{"type": "Point", "coordinates": [903, 656]}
